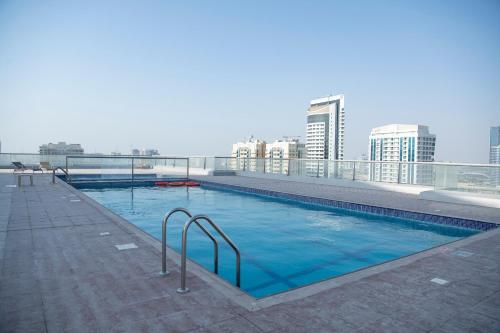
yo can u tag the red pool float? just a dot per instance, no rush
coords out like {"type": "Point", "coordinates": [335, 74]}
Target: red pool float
{"type": "Point", "coordinates": [189, 183]}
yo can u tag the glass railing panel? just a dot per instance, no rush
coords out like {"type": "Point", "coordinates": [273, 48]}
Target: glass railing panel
{"type": "Point", "coordinates": [99, 167]}
{"type": "Point", "coordinates": [479, 179]}
{"type": "Point", "coordinates": [441, 176]}
{"type": "Point", "coordinates": [29, 160]}
{"type": "Point", "coordinates": [160, 167]}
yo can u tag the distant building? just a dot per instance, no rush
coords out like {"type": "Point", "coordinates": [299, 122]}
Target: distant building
{"type": "Point", "coordinates": [279, 152]}
{"type": "Point", "coordinates": [116, 153]}
{"type": "Point", "coordinates": [495, 153]}
{"type": "Point", "coordinates": [401, 143]}
{"type": "Point", "coordinates": [251, 148]}
{"type": "Point", "coordinates": [149, 152]}
{"type": "Point", "coordinates": [145, 152]}
{"type": "Point", "coordinates": [495, 145]}
{"type": "Point", "coordinates": [363, 157]}
{"type": "Point", "coordinates": [325, 134]}
{"type": "Point", "coordinates": [247, 152]}
{"type": "Point", "coordinates": [325, 128]}
{"type": "Point", "coordinates": [60, 148]}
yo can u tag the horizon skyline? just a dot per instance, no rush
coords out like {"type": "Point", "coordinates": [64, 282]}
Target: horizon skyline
{"type": "Point", "coordinates": [265, 140]}
{"type": "Point", "coordinates": [191, 79]}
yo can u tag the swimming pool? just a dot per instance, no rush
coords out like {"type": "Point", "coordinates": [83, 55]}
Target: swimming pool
{"type": "Point", "coordinates": [283, 244]}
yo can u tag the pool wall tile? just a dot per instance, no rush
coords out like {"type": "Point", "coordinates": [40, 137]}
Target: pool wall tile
{"type": "Point", "coordinates": [425, 217]}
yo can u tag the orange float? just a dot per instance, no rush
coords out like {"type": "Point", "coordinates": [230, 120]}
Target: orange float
{"type": "Point", "coordinates": [189, 183]}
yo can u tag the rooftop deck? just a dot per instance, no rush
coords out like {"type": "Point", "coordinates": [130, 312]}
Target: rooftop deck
{"type": "Point", "coordinates": [59, 274]}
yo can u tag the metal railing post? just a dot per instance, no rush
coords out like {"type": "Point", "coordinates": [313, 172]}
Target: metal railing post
{"type": "Point", "coordinates": [133, 171]}
{"type": "Point", "coordinates": [399, 172]}
{"type": "Point", "coordinates": [353, 170]}
{"type": "Point", "coordinates": [380, 167]}
{"type": "Point", "coordinates": [204, 163]}
{"type": "Point", "coordinates": [187, 168]}
{"type": "Point", "coordinates": [317, 170]}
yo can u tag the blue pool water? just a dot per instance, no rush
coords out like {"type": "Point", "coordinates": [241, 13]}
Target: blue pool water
{"type": "Point", "coordinates": [284, 245]}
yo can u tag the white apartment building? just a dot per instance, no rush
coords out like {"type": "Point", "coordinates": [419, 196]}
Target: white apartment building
{"type": "Point", "coordinates": [280, 152]}
{"type": "Point", "coordinates": [401, 143]}
{"type": "Point", "coordinates": [247, 152]}
{"type": "Point", "coordinates": [60, 148]}
{"type": "Point", "coordinates": [325, 131]}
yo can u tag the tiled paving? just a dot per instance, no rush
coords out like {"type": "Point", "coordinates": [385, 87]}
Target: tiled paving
{"type": "Point", "coordinates": [59, 274]}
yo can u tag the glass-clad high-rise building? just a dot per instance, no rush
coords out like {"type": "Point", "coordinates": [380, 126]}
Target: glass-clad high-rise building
{"type": "Point", "coordinates": [401, 143]}
{"type": "Point", "coordinates": [495, 145]}
{"type": "Point", "coordinates": [495, 153]}
{"type": "Point", "coordinates": [325, 134]}
{"type": "Point", "coordinates": [325, 128]}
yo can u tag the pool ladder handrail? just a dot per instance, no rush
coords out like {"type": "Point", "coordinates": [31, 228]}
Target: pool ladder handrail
{"type": "Point", "coordinates": [54, 174]}
{"type": "Point", "coordinates": [183, 289]}
{"type": "Point", "coordinates": [164, 240]}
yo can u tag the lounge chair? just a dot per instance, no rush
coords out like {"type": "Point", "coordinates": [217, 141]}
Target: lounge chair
{"type": "Point", "coordinates": [21, 167]}
{"type": "Point", "coordinates": [46, 166]}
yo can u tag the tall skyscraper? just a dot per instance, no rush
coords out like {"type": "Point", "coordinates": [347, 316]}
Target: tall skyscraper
{"type": "Point", "coordinates": [325, 128]}
{"type": "Point", "coordinates": [401, 143]}
{"type": "Point", "coordinates": [495, 145]}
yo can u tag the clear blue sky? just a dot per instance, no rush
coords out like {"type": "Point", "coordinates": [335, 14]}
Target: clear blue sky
{"type": "Point", "coordinates": [192, 77]}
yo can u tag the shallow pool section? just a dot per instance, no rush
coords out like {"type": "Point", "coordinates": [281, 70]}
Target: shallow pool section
{"type": "Point", "coordinates": [284, 245]}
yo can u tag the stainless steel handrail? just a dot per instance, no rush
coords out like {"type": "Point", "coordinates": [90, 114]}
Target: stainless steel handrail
{"type": "Point", "coordinates": [54, 174]}
{"type": "Point", "coordinates": [164, 241]}
{"type": "Point", "coordinates": [195, 218]}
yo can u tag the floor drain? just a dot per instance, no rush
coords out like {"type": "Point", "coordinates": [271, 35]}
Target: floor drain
{"type": "Point", "coordinates": [126, 246]}
{"type": "Point", "coordinates": [439, 281]}
{"type": "Point", "coordinates": [104, 234]}
{"type": "Point", "coordinates": [10, 185]}
{"type": "Point", "coordinates": [75, 200]}
{"type": "Point", "coordinates": [464, 254]}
